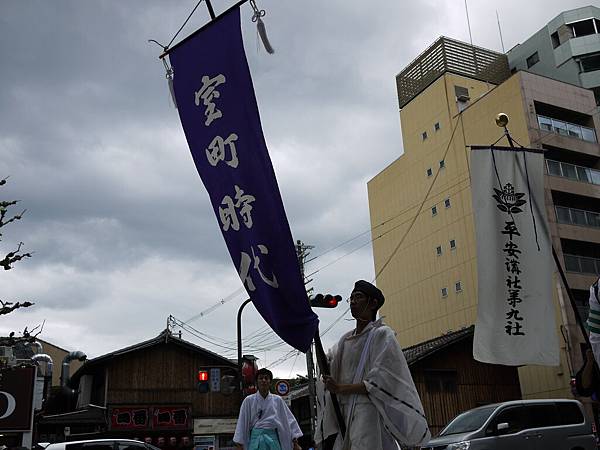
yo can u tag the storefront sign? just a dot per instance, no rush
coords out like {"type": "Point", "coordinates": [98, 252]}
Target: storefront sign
{"type": "Point", "coordinates": [16, 398]}
{"type": "Point", "coordinates": [150, 417]}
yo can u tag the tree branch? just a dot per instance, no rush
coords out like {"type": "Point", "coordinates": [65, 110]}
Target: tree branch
{"type": "Point", "coordinates": [8, 307]}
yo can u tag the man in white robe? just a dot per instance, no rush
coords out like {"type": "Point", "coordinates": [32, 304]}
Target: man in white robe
{"type": "Point", "coordinates": [265, 421]}
{"type": "Point", "coordinates": [370, 376]}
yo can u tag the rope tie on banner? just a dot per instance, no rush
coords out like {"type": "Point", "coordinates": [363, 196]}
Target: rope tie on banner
{"type": "Point", "coordinates": [168, 68]}
{"type": "Point", "coordinates": [260, 26]}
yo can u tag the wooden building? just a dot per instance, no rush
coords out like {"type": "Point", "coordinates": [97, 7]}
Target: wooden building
{"type": "Point", "coordinates": [450, 381]}
{"type": "Point", "coordinates": [150, 391]}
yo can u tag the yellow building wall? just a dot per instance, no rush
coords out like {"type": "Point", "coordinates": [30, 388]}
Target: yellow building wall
{"type": "Point", "coordinates": [407, 267]}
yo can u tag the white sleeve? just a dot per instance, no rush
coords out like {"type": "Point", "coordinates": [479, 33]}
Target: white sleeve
{"type": "Point", "coordinates": [392, 390]}
{"type": "Point", "coordinates": [242, 428]}
{"type": "Point", "coordinates": [293, 423]}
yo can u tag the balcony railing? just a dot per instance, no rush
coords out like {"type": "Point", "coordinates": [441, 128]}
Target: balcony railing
{"type": "Point", "coordinates": [567, 129]}
{"type": "Point", "coordinates": [573, 172]}
{"type": "Point", "coordinates": [574, 216]}
{"type": "Point", "coordinates": [582, 264]}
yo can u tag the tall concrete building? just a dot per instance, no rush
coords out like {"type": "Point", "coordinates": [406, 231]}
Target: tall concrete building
{"type": "Point", "coordinates": [566, 49]}
{"type": "Point", "coordinates": [449, 97]}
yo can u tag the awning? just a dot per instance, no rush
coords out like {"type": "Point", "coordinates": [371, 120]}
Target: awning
{"type": "Point", "coordinates": [91, 414]}
{"type": "Point", "coordinates": [218, 425]}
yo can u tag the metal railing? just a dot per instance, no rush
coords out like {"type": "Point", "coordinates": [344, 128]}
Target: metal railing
{"type": "Point", "coordinates": [582, 264]}
{"type": "Point", "coordinates": [567, 128]}
{"type": "Point", "coordinates": [573, 172]}
{"type": "Point", "coordinates": [450, 55]}
{"type": "Point", "coordinates": [573, 216]}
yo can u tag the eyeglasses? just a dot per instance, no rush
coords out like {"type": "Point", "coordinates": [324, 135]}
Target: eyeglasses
{"type": "Point", "coordinates": [355, 297]}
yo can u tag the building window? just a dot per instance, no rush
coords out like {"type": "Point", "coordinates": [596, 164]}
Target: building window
{"type": "Point", "coordinates": [444, 292]}
{"type": "Point", "coordinates": [434, 210]}
{"type": "Point", "coordinates": [447, 203]}
{"type": "Point", "coordinates": [583, 27]}
{"type": "Point", "coordinates": [555, 39]}
{"type": "Point", "coordinates": [590, 63]}
{"type": "Point", "coordinates": [458, 286]}
{"type": "Point", "coordinates": [452, 244]}
{"type": "Point", "coordinates": [424, 135]}
{"type": "Point", "coordinates": [533, 59]}
{"type": "Point", "coordinates": [442, 164]}
{"type": "Point", "coordinates": [429, 172]}
{"type": "Point", "coordinates": [436, 126]}
{"type": "Point", "coordinates": [438, 250]}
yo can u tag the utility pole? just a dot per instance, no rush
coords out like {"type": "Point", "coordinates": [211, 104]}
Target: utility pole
{"type": "Point", "coordinates": [302, 252]}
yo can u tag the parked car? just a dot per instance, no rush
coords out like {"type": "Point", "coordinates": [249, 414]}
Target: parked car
{"type": "Point", "coordinates": [102, 444]}
{"type": "Point", "coordinates": [519, 425]}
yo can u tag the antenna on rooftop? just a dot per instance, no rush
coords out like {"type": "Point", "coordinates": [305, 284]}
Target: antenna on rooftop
{"type": "Point", "coordinates": [468, 23]}
{"type": "Point", "coordinates": [500, 31]}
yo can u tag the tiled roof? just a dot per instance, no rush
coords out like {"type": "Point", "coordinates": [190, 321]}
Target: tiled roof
{"type": "Point", "coordinates": [424, 349]}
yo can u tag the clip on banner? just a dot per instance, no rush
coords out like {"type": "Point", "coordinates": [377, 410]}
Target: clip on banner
{"type": "Point", "coordinates": [218, 110]}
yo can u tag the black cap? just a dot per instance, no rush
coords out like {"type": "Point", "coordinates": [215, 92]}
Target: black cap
{"type": "Point", "coordinates": [370, 290]}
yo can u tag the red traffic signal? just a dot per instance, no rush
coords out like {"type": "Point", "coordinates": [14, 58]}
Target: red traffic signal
{"type": "Point", "coordinates": [325, 301]}
{"type": "Point", "coordinates": [203, 375]}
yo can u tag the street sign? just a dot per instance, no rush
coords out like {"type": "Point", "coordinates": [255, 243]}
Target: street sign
{"type": "Point", "coordinates": [282, 388]}
{"type": "Point", "coordinates": [215, 379]}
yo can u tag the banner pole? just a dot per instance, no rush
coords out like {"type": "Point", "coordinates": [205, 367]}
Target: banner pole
{"type": "Point", "coordinates": [202, 28]}
{"type": "Point", "coordinates": [324, 368]}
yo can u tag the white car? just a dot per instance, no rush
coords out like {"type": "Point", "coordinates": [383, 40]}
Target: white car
{"type": "Point", "coordinates": [102, 444]}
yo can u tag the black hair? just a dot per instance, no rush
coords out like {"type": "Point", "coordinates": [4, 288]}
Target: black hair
{"type": "Point", "coordinates": [264, 371]}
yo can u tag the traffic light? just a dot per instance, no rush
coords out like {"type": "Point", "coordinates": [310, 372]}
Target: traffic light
{"type": "Point", "coordinates": [203, 381]}
{"type": "Point", "coordinates": [325, 301]}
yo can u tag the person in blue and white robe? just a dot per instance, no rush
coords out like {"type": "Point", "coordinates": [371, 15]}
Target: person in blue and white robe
{"type": "Point", "coordinates": [265, 421]}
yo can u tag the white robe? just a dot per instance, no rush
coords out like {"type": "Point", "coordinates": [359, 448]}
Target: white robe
{"type": "Point", "coordinates": [391, 411]}
{"type": "Point", "coordinates": [268, 412]}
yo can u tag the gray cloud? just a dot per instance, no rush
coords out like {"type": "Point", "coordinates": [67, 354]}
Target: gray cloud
{"type": "Point", "coordinates": [121, 225]}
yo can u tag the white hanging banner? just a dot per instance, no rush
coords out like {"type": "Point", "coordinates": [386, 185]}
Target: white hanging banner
{"type": "Point", "coordinates": [515, 313]}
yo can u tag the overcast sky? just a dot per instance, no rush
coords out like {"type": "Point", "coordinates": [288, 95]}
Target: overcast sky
{"type": "Point", "coordinates": [120, 223]}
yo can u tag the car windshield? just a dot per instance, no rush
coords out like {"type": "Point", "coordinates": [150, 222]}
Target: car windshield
{"type": "Point", "coordinates": [468, 421]}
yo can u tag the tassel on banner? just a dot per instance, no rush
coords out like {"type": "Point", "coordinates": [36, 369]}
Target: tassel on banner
{"type": "Point", "coordinates": [260, 26]}
{"type": "Point", "coordinates": [171, 89]}
{"type": "Point", "coordinates": [169, 76]}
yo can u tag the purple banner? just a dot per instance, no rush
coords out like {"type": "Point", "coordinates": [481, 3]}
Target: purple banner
{"type": "Point", "coordinates": [219, 114]}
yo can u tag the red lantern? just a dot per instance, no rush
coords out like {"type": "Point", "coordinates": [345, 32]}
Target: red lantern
{"type": "Point", "coordinates": [249, 369]}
